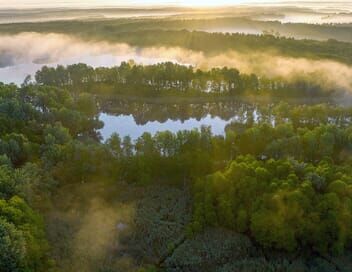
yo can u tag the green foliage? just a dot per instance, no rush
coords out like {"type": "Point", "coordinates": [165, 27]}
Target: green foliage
{"type": "Point", "coordinates": [168, 79]}
{"type": "Point", "coordinates": [35, 138]}
{"type": "Point", "coordinates": [8, 185]}
{"type": "Point", "coordinates": [160, 220]}
{"type": "Point", "coordinates": [12, 248]}
{"type": "Point", "coordinates": [209, 250]}
{"type": "Point", "coordinates": [281, 174]}
{"type": "Point", "coordinates": [148, 269]}
{"type": "Point", "coordinates": [86, 104]}
{"type": "Point", "coordinates": [23, 244]}
{"type": "Point", "coordinates": [282, 205]}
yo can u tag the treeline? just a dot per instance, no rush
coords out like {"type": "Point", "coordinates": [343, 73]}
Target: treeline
{"type": "Point", "coordinates": [211, 43]}
{"type": "Point", "coordinates": [147, 33]}
{"type": "Point", "coordinates": [173, 79]}
{"type": "Point", "coordinates": [340, 32]}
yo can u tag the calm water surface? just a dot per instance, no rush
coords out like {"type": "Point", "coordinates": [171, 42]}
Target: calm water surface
{"type": "Point", "coordinates": [126, 125]}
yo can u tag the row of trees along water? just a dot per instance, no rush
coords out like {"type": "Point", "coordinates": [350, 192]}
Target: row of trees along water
{"type": "Point", "coordinates": [170, 78]}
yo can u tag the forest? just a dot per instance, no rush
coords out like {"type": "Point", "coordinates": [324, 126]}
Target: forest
{"type": "Point", "coordinates": [293, 160]}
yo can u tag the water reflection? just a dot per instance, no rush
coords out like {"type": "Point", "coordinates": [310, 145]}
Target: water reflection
{"type": "Point", "coordinates": [126, 125]}
{"type": "Point", "coordinates": [147, 111]}
{"type": "Point", "coordinates": [133, 118]}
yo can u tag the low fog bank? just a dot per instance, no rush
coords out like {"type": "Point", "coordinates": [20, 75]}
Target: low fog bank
{"type": "Point", "coordinates": [285, 12]}
{"type": "Point", "coordinates": [58, 14]}
{"type": "Point", "coordinates": [25, 53]}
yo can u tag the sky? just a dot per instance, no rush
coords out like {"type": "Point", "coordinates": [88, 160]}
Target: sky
{"type": "Point", "coordinates": [53, 3]}
{"type": "Point", "coordinates": [90, 3]}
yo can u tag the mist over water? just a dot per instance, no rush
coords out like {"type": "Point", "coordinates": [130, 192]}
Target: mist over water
{"type": "Point", "coordinates": [26, 53]}
{"type": "Point", "coordinates": [316, 12]}
{"type": "Point", "coordinates": [23, 54]}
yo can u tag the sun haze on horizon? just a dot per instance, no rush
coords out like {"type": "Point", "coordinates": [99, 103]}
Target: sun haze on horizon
{"type": "Point", "coordinates": [125, 3]}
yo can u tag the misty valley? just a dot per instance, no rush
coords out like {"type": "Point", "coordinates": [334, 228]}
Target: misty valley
{"type": "Point", "coordinates": [152, 139]}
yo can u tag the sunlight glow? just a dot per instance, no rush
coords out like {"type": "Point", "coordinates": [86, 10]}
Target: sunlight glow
{"type": "Point", "coordinates": [208, 3]}
{"type": "Point", "coordinates": [121, 3]}
{"type": "Point", "coordinates": [140, 3]}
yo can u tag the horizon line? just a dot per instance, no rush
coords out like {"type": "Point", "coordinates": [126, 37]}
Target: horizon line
{"type": "Point", "coordinates": [166, 5]}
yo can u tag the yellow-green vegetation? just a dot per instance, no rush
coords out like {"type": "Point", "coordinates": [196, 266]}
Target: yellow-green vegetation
{"type": "Point", "coordinates": [169, 79]}
{"type": "Point", "coordinates": [282, 204]}
{"type": "Point", "coordinates": [278, 179]}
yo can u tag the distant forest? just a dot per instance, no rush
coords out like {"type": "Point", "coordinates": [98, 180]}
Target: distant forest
{"type": "Point", "coordinates": [186, 34]}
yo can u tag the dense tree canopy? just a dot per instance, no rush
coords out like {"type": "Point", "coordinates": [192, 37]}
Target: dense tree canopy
{"type": "Point", "coordinates": [280, 173]}
{"type": "Point", "coordinates": [36, 124]}
{"type": "Point", "coordinates": [174, 79]}
{"type": "Point", "coordinates": [283, 204]}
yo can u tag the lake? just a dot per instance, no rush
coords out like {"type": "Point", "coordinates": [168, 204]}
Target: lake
{"type": "Point", "coordinates": [17, 60]}
{"type": "Point", "coordinates": [126, 125]}
{"type": "Point", "coordinates": [133, 118]}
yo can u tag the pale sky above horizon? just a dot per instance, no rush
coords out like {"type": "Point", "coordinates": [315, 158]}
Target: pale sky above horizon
{"type": "Point", "coordinates": [126, 3]}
